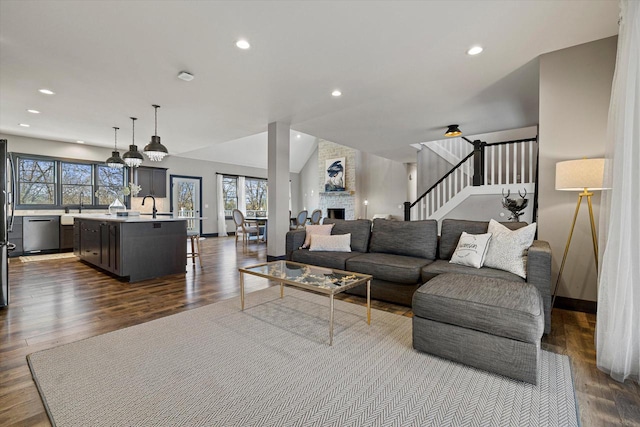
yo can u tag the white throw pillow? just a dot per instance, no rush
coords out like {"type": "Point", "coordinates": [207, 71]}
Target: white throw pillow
{"type": "Point", "coordinates": [323, 230]}
{"type": "Point", "coordinates": [508, 248]}
{"type": "Point", "coordinates": [334, 243]}
{"type": "Point", "coordinates": [471, 249]}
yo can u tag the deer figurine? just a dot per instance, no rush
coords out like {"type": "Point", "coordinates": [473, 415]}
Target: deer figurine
{"type": "Point", "coordinates": [515, 206]}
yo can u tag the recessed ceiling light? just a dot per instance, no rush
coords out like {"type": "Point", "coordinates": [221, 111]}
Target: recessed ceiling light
{"type": "Point", "coordinates": [80, 142]}
{"type": "Point", "coordinates": [243, 44]}
{"type": "Point", "coordinates": [475, 50]}
{"type": "Point", "coordinates": [33, 111]}
{"type": "Point", "coordinates": [336, 93]}
{"type": "Point", "coordinates": [298, 136]}
{"type": "Point", "coordinates": [186, 76]}
{"type": "Point", "coordinates": [47, 91]}
{"type": "Point", "coordinates": [24, 125]}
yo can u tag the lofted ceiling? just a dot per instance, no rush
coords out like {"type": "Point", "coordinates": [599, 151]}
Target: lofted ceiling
{"type": "Point", "coordinates": [402, 68]}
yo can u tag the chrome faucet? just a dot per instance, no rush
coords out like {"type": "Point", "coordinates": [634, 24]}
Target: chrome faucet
{"type": "Point", "coordinates": [153, 210]}
{"type": "Point", "coordinates": [80, 208]}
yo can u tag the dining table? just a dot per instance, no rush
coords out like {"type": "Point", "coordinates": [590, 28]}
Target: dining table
{"type": "Point", "coordinates": [259, 221]}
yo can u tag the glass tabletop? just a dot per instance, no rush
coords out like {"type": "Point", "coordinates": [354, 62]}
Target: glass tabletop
{"type": "Point", "coordinates": [307, 275]}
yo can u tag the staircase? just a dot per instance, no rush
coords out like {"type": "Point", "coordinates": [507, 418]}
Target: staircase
{"type": "Point", "coordinates": [487, 169]}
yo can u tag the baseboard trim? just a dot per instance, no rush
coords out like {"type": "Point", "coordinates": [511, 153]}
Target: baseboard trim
{"type": "Point", "coordinates": [209, 235]}
{"type": "Point", "coordinates": [576, 305]}
{"type": "Point", "coordinates": [276, 258]}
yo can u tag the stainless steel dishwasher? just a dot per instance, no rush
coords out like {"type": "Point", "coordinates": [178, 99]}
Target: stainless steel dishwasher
{"type": "Point", "coordinates": [40, 233]}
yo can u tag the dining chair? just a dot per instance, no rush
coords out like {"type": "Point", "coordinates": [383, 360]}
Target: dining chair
{"type": "Point", "coordinates": [301, 218]}
{"type": "Point", "coordinates": [243, 227]}
{"type": "Point", "coordinates": [316, 216]}
{"type": "Point", "coordinates": [194, 238]}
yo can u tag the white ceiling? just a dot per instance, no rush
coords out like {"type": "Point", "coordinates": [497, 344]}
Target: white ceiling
{"type": "Point", "coordinates": [401, 66]}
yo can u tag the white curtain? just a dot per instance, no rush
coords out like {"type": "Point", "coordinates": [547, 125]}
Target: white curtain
{"type": "Point", "coordinates": [222, 222]}
{"type": "Point", "coordinates": [242, 200]}
{"type": "Point", "coordinates": [618, 320]}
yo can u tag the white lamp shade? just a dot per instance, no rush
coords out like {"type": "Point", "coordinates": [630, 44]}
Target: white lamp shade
{"type": "Point", "coordinates": [577, 175]}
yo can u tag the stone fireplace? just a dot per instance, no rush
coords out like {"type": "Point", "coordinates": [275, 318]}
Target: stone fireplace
{"type": "Point", "coordinates": [336, 213]}
{"type": "Point", "coordinates": [340, 202]}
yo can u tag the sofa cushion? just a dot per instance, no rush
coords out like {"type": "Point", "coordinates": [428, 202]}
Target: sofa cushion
{"type": "Point", "coordinates": [442, 267]}
{"type": "Point", "coordinates": [393, 268]}
{"type": "Point", "coordinates": [335, 260]}
{"type": "Point", "coordinates": [335, 243]}
{"type": "Point", "coordinates": [360, 229]}
{"type": "Point", "coordinates": [508, 248]}
{"type": "Point", "coordinates": [495, 306]}
{"type": "Point", "coordinates": [471, 249]}
{"type": "Point", "coordinates": [316, 229]}
{"type": "Point", "coordinates": [383, 290]}
{"type": "Point", "coordinates": [452, 230]}
{"type": "Point", "coordinates": [410, 238]}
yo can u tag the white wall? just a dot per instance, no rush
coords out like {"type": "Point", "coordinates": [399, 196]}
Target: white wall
{"type": "Point", "coordinates": [575, 89]}
{"type": "Point", "coordinates": [308, 191]}
{"type": "Point", "coordinates": [176, 166]}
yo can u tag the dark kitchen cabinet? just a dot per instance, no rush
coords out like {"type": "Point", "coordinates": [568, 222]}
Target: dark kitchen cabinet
{"type": "Point", "coordinates": [66, 237]}
{"type": "Point", "coordinates": [136, 250]}
{"type": "Point", "coordinates": [15, 237]}
{"type": "Point", "coordinates": [87, 240]}
{"type": "Point", "coordinates": [152, 181]}
{"type": "Point", "coordinates": [110, 247]}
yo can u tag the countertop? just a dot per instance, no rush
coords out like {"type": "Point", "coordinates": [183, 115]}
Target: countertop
{"type": "Point", "coordinates": [114, 218]}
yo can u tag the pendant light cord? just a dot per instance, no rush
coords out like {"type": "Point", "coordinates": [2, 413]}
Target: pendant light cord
{"type": "Point", "coordinates": [156, 126]}
{"type": "Point", "coordinates": [133, 130]}
{"type": "Point", "coordinates": [115, 133]}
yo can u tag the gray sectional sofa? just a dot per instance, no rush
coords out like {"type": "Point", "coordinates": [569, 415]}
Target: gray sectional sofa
{"type": "Point", "coordinates": [403, 255]}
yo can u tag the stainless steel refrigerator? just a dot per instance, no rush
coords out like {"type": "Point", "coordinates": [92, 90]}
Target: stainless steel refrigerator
{"type": "Point", "coordinates": [7, 194]}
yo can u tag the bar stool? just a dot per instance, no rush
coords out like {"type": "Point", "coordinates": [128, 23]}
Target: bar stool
{"type": "Point", "coordinates": [194, 237]}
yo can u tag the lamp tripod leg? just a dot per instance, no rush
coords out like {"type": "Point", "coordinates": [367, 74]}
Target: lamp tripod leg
{"type": "Point", "coordinates": [566, 250]}
{"type": "Point", "coordinates": [593, 232]}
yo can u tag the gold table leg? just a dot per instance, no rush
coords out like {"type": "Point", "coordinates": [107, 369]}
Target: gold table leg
{"type": "Point", "coordinates": [281, 290]}
{"type": "Point", "coordinates": [368, 302]}
{"type": "Point", "coordinates": [331, 319]}
{"type": "Point", "coordinates": [242, 290]}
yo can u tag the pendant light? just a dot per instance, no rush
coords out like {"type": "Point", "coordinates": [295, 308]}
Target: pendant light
{"type": "Point", "coordinates": [115, 161]}
{"type": "Point", "coordinates": [155, 150]}
{"type": "Point", "coordinates": [133, 158]}
{"type": "Point", "coordinates": [452, 130]}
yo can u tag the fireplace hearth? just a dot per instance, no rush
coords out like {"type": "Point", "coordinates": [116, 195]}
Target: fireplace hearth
{"type": "Point", "coordinates": [336, 213]}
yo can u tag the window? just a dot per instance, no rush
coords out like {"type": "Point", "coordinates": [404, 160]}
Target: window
{"type": "Point", "coordinates": [109, 184]}
{"type": "Point", "coordinates": [229, 194]}
{"type": "Point", "coordinates": [36, 182]}
{"type": "Point", "coordinates": [77, 183]}
{"type": "Point", "coordinates": [49, 182]}
{"type": "Point", "coordinates": [256, 197]}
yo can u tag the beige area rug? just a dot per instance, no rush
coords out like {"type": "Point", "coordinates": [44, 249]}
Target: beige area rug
{"type": "Point", "coordinates": [46, 257]}
{"type": "Point", "coordinates": [271, 365]}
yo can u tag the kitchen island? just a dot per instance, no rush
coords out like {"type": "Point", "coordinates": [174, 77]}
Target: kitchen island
{"type": "Point", "coordinates": [135, 248]}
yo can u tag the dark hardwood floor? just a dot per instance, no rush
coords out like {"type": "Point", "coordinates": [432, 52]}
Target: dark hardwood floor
{"type": "Point", "coordinates": [59, 301]}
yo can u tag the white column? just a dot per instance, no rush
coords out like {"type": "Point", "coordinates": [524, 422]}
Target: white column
{"type": "Point", "coordinates": [278, 174]}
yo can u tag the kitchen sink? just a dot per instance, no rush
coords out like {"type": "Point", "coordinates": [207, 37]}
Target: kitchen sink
{"type": "Point", "coordinates": [66, 219]}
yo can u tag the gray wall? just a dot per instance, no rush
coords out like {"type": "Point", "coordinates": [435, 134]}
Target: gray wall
{"type": "Point", "coordinates": [176, 166]}
{"type": "Point", "coordinates": [575, 89]}
{"type": "Point", "coordinates": [383, 183]}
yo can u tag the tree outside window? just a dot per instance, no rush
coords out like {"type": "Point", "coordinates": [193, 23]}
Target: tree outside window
{"type": "Point", "coordinates": [36, 182]}
{"type": "Point", "coordinates": [256, 197]}
{"type": "Point", "coordinates": [76, 182]}
{"type": "Point", "coordinates": [229, 194]}
{"type": "Point", "coordinates": [110, 184]}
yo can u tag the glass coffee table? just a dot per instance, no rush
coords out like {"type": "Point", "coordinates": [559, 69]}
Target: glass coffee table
{"type": "Point", "coordinates": [323, 280]}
